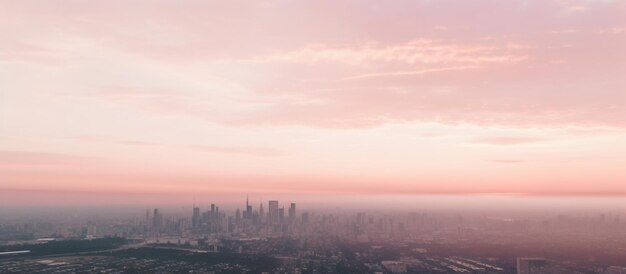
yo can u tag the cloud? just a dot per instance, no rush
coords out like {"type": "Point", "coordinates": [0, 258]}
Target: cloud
{"type": "Point", "coordinates": [139, 143]}
{"type": "Point", "coordinates": [87, 138]}
{"type": "Point", "coordinates": [172, 65]}
{"type": "Point", "coordinates": [238, 150]}
{"type": "Point", "coordinates": [233, 149]}
{"type": "Point", "coordinates": [611, 30]}
{"type": "Point", "coordinates": [419, 51]}
{"type": "Point", "coordinates": [411, 72]}
{"type": "Point", "coordinates": [252, 151]}
{"type": "Point", "coordinates": [614, 30]}
{"type": "Point", "coordinates": [29, 53]}
{"type": "Point", "coordinates": [502, 161]}
{"type": "Point", "coordinates": [507, 140]}
{"type": "Point", "coordinates": [9, 158]}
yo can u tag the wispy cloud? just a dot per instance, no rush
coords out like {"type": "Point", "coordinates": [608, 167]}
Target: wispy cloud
{"type": "Point", "coordinates": [507, 140]}
{"type": "Point", "coordinates": [139, 143]}
{"type": "Point", "coordinates": [237, 150]}
{"type": "Point", "coordinates": [253, 151]}
{"type": "Point", "coordinates": [10, 158]}
{"type": "Point", "coordinates": [233, 149]}
{"type": "Point", "coordinates": [505, 161]}
{"type": "Point", "coordinates": [162, 84]}
{"type": "Point", "coordinates": [419, 51]}
{"type": "Point", "coordinates": [411, 72]}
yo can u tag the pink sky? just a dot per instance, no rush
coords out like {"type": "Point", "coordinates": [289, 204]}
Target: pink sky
{"type": "Point", "coordinates": [262, 97]}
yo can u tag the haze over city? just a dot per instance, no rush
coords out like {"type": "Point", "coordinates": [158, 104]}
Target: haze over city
{"type": "Point", "coordinates": [282, 136]}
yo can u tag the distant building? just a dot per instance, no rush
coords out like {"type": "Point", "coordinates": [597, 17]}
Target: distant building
{"type": "Point", "coordinates": [305, 218]}
{"type": "Point", "coordinates": [292, 212]}
{"type": "Point", "coordinates": [281, 215]}
{"type": "Point", "coordinates": [195, 218]}
{"type": "Point", "coordinates": [394, 266]}
{"type": "Point", "coordinates": [248, 211]}
{"type": "Point", "coordinates": [157, 218]}
{"type": "Point", "coordinates": [92, 231]}
{"type": "Point", "coordinates": [272, 214]}
{"type": "Point", "coordinates": [526, 265]}
{"type": "Point", "coordinates": [616, 270]}
{"type": "Point", "coordinates": [261, 211]}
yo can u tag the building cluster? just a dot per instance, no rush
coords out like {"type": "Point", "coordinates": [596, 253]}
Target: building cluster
{"type": "Point", "coordinates": [327, 241]}
{"type": "Point", "coordinates": [277, 220]}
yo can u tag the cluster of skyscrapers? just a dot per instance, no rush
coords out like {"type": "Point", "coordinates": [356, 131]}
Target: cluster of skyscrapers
{"type": "Point", "coordinates": [247, 220]}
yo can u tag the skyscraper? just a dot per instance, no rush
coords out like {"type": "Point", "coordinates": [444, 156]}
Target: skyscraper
{"type": "Point", "coordinates": [281, 215]}
{"type": "Point", "coordinates": [248, 212]}
{"type": "Point", "coordinates": [195, 218]}
{"type": "Point", "coordinates": [261, 211]}
{"type": "Point", "coordinates": [273, 211]}
{"type": "Point", "coordinates": [292, 212]}
{"type": "Point", "coordinates": [157, 218]}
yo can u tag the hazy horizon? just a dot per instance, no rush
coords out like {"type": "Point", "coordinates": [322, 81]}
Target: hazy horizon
{"type": "Point", "coordinates": [310, 137]}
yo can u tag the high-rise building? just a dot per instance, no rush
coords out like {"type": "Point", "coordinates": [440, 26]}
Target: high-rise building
{"type": "Point", "coordinates": [272, 214]}
{"type": "Point", "coordinates": [360, 218]}
{"type": "Point", "coordinates": [157, 218]}
{"type": "Point", "coordinates": [292, 212]}
{"type": "Point", "coordinates": [195, 218]}
{"type": "Point", "coordinates": [261, 211]}
{"type": "Point", "coordinates": [248, 212]}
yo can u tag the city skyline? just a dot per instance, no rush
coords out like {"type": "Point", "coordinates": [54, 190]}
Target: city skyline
{"type": "Point", "coordinates": [408, 240]}
{"type": "Point", "coordinates": [313, 137]}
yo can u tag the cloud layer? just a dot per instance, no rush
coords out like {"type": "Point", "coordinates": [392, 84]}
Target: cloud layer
{"type": "Point", "coordinates": [418, 96]}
